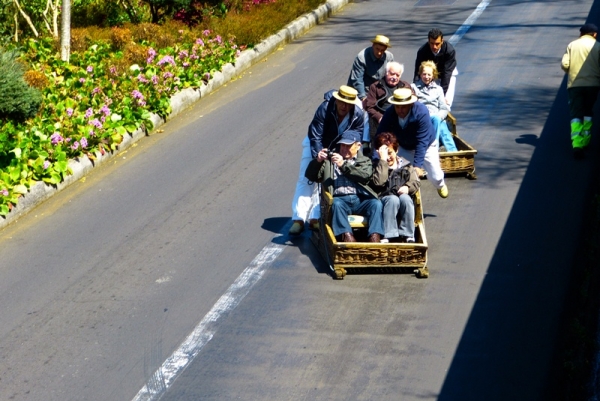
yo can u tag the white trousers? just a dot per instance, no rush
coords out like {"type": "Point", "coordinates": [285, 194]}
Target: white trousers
{"type": "Point", "coordinates": [451, 88]}
{"type": "Point", "coordinates": [431, 163]}
{"type": "Point", "coordinates": [305, 204]}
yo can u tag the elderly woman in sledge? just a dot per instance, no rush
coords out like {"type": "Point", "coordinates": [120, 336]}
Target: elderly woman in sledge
{"type": "Point", "coordinates": [432, 95]}
{"type": "Point", "coordinates": [396, 181]}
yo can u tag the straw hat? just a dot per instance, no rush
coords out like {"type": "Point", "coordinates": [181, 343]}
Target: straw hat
{"type": "Point", "coordinates": [382, 40]}
{"type": "Point", "coordinates": [402, 96]}
{"type": "Point", "coordinates": [347, 94]}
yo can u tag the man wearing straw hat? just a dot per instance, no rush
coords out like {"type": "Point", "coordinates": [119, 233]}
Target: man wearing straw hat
{"type": "Point", "coordinates": [338, 113]}
{"type": "Point", "coordinates": [369, 65]}
{"type": "Point", "coordinates": [409, 120]}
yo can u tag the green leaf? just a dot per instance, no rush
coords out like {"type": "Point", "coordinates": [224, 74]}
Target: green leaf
{"type": "Point", "coordinates": [20, 189]}
{"type": "Point", "coordinates": [130, 127]}
{"type": "Point", "coordinates": [17, 152]}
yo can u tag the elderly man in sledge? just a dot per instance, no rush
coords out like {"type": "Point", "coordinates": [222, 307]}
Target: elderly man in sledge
{"type": "Point", "coordinates": [346, 175]}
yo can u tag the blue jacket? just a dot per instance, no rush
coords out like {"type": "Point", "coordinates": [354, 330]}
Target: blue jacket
{"type": "Point", "coordinates": [323, 129]}
{"type": "Point", "coordinates": [417, 134]}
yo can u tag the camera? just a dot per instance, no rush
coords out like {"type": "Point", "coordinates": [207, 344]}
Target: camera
{"type": "Point", "coordinates": [329, 154]}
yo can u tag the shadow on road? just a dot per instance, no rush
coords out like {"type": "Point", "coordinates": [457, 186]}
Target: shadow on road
{"type": "Point", "coordinates": [507, 349]}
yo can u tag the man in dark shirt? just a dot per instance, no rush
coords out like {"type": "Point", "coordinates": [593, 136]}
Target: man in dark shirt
{"type": "Point", "coordinates": [443, 55]}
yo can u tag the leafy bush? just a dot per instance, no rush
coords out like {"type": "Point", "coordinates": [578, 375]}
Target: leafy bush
{"type": "Point", "coordinates": [92, 102]}
{"type": "Point", "coordinates": [120, 37]}
{"type": "Point", "coordinates": [260, 20]}
{"type": "Point", "coordinates": [18, 101]}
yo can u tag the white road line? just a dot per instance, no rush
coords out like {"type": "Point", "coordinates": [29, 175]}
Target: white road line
{"type": "Point", "coordinates": [164, 377]}
{"type": "Point", "coordinates": [174, 365]}
{"type": "Point", "coordinates": [468, 22]}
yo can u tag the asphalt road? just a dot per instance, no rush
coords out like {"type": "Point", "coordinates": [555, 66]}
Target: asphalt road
{"type": "Point", "coordinates": [103, 282]}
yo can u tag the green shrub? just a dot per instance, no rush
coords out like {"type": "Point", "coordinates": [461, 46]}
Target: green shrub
{"type": "Point", "coordinates": [18, 101]}
{"type": "Point", "coordinates": [258, 21]}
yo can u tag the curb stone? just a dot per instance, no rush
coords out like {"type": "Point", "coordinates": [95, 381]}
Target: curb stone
{"type": "Point", "coordinates": [40, 191]}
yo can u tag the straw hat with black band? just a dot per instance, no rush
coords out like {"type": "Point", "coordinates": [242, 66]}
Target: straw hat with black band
{"type": "Point", "coordinates": [402, 96]}
{"type": "Point", "coordinates": [347, 94]}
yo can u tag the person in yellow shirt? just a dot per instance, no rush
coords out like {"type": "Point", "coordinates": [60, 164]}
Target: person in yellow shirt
{"type": "Point", "coordinates": [581, 62]}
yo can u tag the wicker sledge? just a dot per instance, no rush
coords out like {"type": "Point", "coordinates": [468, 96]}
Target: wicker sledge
{"type": "Point", "coordinates": [344, 257]}
{"type": "Point", "coordinates": [462, 161]}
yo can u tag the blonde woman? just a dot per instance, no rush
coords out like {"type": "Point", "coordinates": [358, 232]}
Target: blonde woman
{"type": "Point", "coordinates": [432, 96]}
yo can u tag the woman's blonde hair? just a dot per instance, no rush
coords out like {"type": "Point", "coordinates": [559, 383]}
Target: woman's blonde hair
{"type": "Point", "coordinates": [431, 65]}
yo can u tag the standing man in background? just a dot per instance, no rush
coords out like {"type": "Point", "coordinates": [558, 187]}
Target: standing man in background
{"type": "Point", "coordinates": [582, 64]}
{"type": "Point", "coordinates": [368, 68]}
{"type": "Point", "coordinates": [443, 55]}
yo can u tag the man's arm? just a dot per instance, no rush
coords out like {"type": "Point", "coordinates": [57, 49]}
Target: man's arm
{"type": "Point", "coordinates": [315, 129]}
{"type": "Point", "coordinates": [449, 66]}
{"type": "Point", "coordinates": [566, 60]}
{"type": "Point", "coordinates": [357, 74]}
{"type": "Point", "coordinates": [360, 172]}
{"type": "Point", "coordinates": [424, 128]}
{"type": "Point", "coordinates": [314, 170]}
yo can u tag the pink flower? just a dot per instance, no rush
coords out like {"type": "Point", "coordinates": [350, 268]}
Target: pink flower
{"type": "Point", "coordinates": [167, 59]}
{"type": "Point", "coordinates": [137, 94]}
{"type": "Point", "coordinates": [56, 138]}
{"type": "Point", "coordinates": [75, 145]}
{"type": "Point", "coordinates": [46, 164]}
{"type": "Point", "coordinates": [83, 142]}
{"type": "Point", "coordinates": [151, 55]}
{"type": "Point", "coordinates": [89, 68]}
{"type": "Point", "coordinates": [105, 110]}
{"type": "Point", "coordinates": [199, 42]}
{"type": "Point", "coordinates": [69, 112]}
{"type": "Point", "coordinates": [96, 123]}
{"type": "Point", "coordinates": [89, 112]}
{"type": "Point", "coordinates": [4, 192]}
